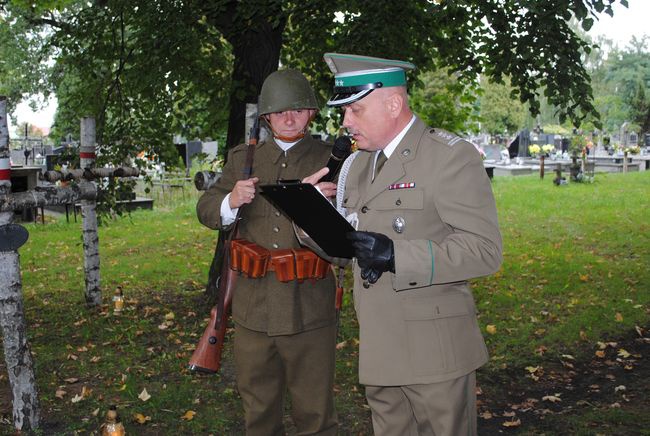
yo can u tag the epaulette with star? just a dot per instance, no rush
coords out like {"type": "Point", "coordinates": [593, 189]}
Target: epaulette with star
{"type": "Point", "coordinates": [446, 137]}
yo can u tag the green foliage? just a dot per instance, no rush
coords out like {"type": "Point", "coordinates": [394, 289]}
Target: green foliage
{"type": "Point", "coordinates": [500, 113]}
{"type": "Point", "coordinates": [443, 101]}
{"type": "Point", "coordinates": [147, 69]}
{"type": "Point", "coordinates": [619, 84]}
{"type": "Point", "coordinates": [578, 144]}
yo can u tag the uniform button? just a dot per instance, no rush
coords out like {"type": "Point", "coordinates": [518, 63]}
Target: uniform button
{"type": "Point", "coordinates": [275, 246]}
{"type": "Point", "coordinates": [277, 213]}
{"type": "Point", "coordinates": [364, 209]}
{"type": "Point", "coordinates": [284, 165]}
{"type": "Point", "coordinates": [276, 229]}
{"type": "Point", "coordinates": [413, 283]}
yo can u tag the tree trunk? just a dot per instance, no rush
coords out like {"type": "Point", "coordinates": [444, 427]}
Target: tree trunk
{"type": "Point", "coordinates": [18, 356]}
{"type": "Point", "coordinates": [89, 214]}
{"type": "Point", "coordinates": [256, 53]}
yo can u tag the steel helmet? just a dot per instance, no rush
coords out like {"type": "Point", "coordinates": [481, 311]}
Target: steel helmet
{"type": "Point", "coordinates": [285, 90]}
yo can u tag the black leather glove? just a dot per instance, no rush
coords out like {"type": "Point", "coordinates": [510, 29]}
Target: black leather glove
{"type": "Point", "coordinates": [374, 252]}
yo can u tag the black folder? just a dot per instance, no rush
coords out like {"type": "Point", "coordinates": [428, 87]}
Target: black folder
{"type": "Point", "coordinates": [313, 213]}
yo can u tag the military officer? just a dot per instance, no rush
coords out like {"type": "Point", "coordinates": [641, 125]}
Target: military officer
{"type": "Point", "coordinates": [426, 224]}
{"type": "Point", "coordinates": [285, 332]}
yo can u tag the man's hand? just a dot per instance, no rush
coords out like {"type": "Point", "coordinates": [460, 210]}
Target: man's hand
{"type": "Point", "coordinates": [375, 254]}
{"type": "Point", "coordinates": [243, 192]}
{"type": "Point", "coordinates": [328, 189]}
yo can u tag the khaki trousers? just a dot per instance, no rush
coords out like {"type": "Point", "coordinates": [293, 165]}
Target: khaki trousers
{"type": "Point", "coordinates": [436, 409]}
{"type": "Point", "coordinates": [302, 364]}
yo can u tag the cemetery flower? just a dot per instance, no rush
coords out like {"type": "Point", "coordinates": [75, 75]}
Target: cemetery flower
{"type": "Point", "coordinates": [534, 150]}
{"type": "Point", "coordinates": [548, 148]}
{"type": "Point", "coordinates": [633, 149]}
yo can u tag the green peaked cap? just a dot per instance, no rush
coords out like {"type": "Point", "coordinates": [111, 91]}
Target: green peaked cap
{"type": "Point", "coordinates": [356, 76]}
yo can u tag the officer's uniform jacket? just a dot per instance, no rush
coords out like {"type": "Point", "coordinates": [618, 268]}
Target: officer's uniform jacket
{"type": "Point", "coordinates": [419, 324]}
{"type": "Point", "coordinates": [266, 304]}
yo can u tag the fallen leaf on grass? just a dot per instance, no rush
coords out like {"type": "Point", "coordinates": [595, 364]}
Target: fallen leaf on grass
{"type": "Point", "coordinates": [552, 398]}
{"type": "Point", "coordinates": [533, 372]}
{"type": "Point", "coordinates": [170, 316]}
{"type": "Point", "coordinates": [623, 353]}
{"type": "Point", "coordinates": [60, 393]}
{"type": "Point", "coordinates": [189, 415]}
{"type": "Point", "coordinates": [619, 388]}
{"type": "Point", "coordinates": [140, 418]}
{"type": "Point", "coordinates": [491, 329]}
{"type": "Point", "coordinates": [486, 415]}
{"type": "Point", "coordinates": [144, 395]}
{"type": "Point", "coordinates": [165, 325]}
{"type": "Point", "coordinates": [341, 345]}
{"type": "Point", "coordinates": [85, 393]}
{"type": "Point", "coordinates": [71, 380]}
{"type": "Point", "coordinates": [618, 317]}
{"type": "Point", "coordinates": [600, 353]}
{"type": "Point", "coordinates": [514, 423]}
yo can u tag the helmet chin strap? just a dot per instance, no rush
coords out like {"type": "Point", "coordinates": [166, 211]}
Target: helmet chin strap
{"type": "Point", "coordinates": [294, 138]}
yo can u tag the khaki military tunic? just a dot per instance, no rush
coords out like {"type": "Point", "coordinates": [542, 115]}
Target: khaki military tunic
{"type": "Point", "coordinates": [434, 200]}
{"type": "Point", "coordinates": [265, 304]}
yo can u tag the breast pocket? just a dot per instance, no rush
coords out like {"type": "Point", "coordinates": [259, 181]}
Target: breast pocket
{"type": "Point", "coordinates": [400, 199]}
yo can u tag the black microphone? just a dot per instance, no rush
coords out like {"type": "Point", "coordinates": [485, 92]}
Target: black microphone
{"type": "Point", "coordinates": [340, 152]}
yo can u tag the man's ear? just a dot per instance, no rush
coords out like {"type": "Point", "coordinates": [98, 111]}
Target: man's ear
{"type": "Point", "coordinates": [394, 104]}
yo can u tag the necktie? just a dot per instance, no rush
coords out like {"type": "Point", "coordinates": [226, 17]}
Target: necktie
{"type": "Point", "coordinates": [381, 160]}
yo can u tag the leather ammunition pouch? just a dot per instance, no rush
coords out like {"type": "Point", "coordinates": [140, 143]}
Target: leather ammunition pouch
{"type": "Point", "coordinates": [288, 264]}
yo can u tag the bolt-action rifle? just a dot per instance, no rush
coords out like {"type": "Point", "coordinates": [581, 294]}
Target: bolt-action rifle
{"type": "Point", "coordinates": [207, 356]}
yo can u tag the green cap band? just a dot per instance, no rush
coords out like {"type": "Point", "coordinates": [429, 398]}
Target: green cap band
{"type": "Point", "coordinates": [392, 77]}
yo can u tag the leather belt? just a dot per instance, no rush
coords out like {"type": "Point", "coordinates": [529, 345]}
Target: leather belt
{"type": "Point", "coordinates": [289, 264]}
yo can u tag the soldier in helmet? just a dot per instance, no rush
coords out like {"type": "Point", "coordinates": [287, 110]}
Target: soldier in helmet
{"type": "Point", "coordinates": [285, 331]}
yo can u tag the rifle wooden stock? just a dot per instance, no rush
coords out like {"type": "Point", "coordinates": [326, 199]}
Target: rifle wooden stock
{"type": "Point", "coordinates": [207, 356]}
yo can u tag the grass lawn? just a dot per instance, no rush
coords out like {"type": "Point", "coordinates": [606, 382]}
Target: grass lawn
{"type": "Point", "coordinates": [565, 320]}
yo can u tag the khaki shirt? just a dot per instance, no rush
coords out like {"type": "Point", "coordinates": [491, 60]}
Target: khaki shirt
{"type": "Point", "coordinates": [266, 304]}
